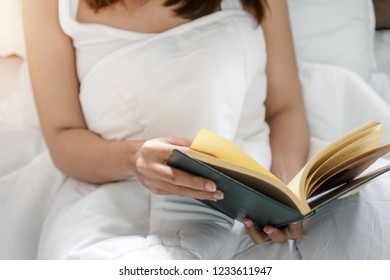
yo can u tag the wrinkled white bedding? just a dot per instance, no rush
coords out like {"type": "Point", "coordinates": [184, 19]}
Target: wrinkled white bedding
{"type": "Point", "coordinates": [336, 100]}
{"type": "Point", "coordinates": [325, 31]}
{"type": "Point", "coordinates": [381, 78]}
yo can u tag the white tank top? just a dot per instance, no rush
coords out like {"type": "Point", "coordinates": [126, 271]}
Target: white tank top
{"type": "Point", "coordinates": [209, 73]}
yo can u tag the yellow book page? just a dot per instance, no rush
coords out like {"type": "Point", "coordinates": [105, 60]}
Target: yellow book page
{"type": "Point", "coordinates": [358, 164]}
{"type": "Point", "coordinates": [361, 146]}
{"type": "Point", "coordinates": [210, 143]}
{"type": "Point", "coordinates": [343, 141]}
{"type": "Point", "coordinates": [299, 183]}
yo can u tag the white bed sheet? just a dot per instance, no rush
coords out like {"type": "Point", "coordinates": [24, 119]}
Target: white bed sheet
{"type": "Point", "coordinates": [380, 77]}
{"type": "Point", "coordinates": [382, 51]}
{"type": "Point", "coordinates": [23, 142]}
{"type": "Point", "coordinates": [336, 99]}
{"type": "Point", "coordinates": [9, 69]}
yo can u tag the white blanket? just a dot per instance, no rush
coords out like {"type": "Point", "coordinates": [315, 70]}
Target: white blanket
{"type": "Point", "coordinates": [336, 100]}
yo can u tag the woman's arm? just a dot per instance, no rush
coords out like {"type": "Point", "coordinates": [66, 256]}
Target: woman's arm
{"type": "Point", "coordinates": [285, 112]}
{"type": "Point", "coordinates": [75, 150]}
{"type": "Point", "coordinates": [51, 57]}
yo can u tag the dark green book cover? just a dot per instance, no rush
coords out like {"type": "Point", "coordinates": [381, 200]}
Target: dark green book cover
{"type": "Point", "coordinates": [240, 201]}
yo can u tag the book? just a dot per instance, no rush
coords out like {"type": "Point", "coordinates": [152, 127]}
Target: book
{"type": "Point", "coordinates": [252, 191]}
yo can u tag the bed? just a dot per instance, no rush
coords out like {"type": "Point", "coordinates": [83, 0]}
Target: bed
{"type": "Point", "coordinates": [344, 65]}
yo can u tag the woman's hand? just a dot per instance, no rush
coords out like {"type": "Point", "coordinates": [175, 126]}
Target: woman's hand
{"type": "Point", "coordinates": [292, 231]}
{"type": "Point", "coordinates": [154, 173]}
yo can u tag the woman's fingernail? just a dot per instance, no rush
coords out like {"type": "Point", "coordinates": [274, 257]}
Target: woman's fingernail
{"type": "Point", "coordinates": [218, 195]}
{"type": "Point", "coordinates": [268, 230]}
{"type": "Point", "coordinates": [211, 187]}
{"type": "Point", "coordinates": [248, 223]}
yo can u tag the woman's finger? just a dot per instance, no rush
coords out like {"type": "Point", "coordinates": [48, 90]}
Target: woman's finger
{"type": "Point", "coordinates": [162, 187]}
{"type": "Point", "coordinates": [275, 234]}
{"type": "Point", "coordinates": [182, 178]}
{"type": "Point", "coordinates": [295, 230]}
{"type": "Point", "coordinates": [292, 231]}
{"type": "Point", "coordinates": [161, 149]}
{"type": "Point", "coordinates": [162, 172]}
{"type": "Point", "coordinates": [202, 195]}
{"type": "Point", "coordinates": [256, 236]}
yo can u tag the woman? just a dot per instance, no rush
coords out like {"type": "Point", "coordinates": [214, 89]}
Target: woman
{"type": "Point", "coordinates": [74, 48]}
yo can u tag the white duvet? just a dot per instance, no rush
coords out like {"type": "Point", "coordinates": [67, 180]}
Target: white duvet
{"type": "Point", "coordinates": [44, 214]}
{"type": "Point", "coordinates": [336, 100]}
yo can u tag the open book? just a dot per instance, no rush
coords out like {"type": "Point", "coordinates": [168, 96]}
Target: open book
{"type": "Point", "coordinates": [252, 191]}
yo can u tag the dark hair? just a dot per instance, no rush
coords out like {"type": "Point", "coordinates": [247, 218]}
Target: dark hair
{"type": "Point", "coordinates": [193, 9]}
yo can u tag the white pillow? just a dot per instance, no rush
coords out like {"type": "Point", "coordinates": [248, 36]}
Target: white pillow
{"type": "Point", "coordinates": [335, 32]}
{"type": "Point", "coordinates": [11, 28]}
